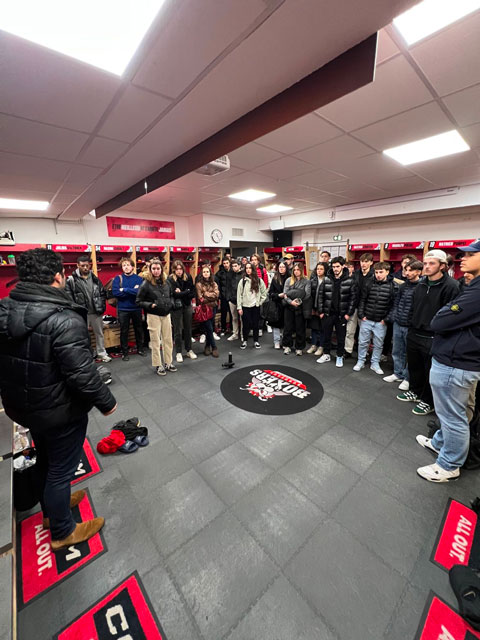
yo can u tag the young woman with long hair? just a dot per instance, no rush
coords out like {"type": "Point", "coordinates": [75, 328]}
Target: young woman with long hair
{"type": "Point", "coordinates": [233, 278]}
{"type": "Point", "coordinates": [251, 294]}
{"type": "Point", "coordinates": [208, 294]}
{"type": "Point", "coordinates": [318, 282]}
{"type": "Point", "coordinates": [155, 296]}
{"type": "Point", "coordinates": [183, 290]}
{"type": "Point", "coordinates": [276, 294]}
{"type": "Point", "coordinates": [297, 303]}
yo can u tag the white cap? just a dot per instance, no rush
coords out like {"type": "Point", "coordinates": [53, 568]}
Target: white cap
{"type": "Point", "coordinates": [438, 254]}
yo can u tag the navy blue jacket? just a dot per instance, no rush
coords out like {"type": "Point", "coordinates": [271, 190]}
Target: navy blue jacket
{"type": "Point", "coordinates": [123, 288]}
{"type": "Point", "coordinates": [457, 330]}
{"type": "Point", "coordinates": [403, 305]}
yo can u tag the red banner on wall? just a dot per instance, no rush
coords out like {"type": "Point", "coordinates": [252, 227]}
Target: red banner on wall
{"type": "Point", "coordinates": [139, 228]}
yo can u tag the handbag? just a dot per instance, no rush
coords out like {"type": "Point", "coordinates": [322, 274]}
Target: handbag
{"type": "Point", "coordinates": [203, 313]}
{"type": "Point", "coordinates": [271, 311]}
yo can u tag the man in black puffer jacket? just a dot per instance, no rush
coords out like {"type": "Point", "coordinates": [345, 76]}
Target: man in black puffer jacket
{"type": "Point", "coordinates": [49, 383]}
{"type": "Point", "coordinates": [335, 306]}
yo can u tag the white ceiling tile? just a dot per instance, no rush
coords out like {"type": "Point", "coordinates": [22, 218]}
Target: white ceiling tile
{"type": "Point", "coordinates": [363, 192]}
{"type": "Point", "coordinates": [403, 186]}
{"type": "Point", "coordinates": [300, 134]}
{"type": "Point", "coordinates": [432, 169]}
{"type": "Point", "coordinates": [396, 88]}
{"type": "Point", "coordinates": [19, 171]}
{"type": "Point", "coordinates": [472, 135]}
{"type": "Point", "coordinates": [386, 47]}
{"type": "Point", "coordinates": [465, 105]}
{"type": "Point", "coordinates": [450, 59]}
{"type": "Point", "coordinates": [135, 110]}
{"type": "Point", "coordinates": [285, 167]}
{"type": "Point", "coordinates": [336, 150]}
{"type": "Point", "coordinates": [415, 124]}
{"type": "Point", "coordinates": [82, 176]}
{"type": "Point", "coordinates": [252, 155]}
{"type": "Point", "coordinates": [102, 152]}
{"type": "Point", "coordinates": [374, 169]}
{"type": "Point", "coordinates": [317, 179]}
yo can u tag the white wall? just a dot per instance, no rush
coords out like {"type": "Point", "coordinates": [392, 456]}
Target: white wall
{"type": "Point", "coordinates": [251, 232]}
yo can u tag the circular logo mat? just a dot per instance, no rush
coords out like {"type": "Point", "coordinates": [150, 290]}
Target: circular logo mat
{"type": "Point", "coordinates": [271, 389]}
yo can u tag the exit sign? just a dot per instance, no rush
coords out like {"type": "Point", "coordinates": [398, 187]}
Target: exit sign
{"type": "Point", "coordinates": [337, 238]}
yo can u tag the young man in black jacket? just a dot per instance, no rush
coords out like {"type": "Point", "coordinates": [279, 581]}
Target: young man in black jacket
{"type": "Point", "coordinates": [433, 292]}
{"type": "Point", "coordinates": [374, 309]}
{"type": "Point", "coordinates": [49, 383]}
{"type": "Point", "coordinates": [335, 306]}
{"type": "Point", "coordinates": [360, 278]}
{"type": "Point", "coordinates": [454, 373]}
{"type": "Point", "coordinates": [221, 280]}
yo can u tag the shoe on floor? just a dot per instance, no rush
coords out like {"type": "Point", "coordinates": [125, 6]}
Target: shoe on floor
{"type": "Point", "coordinates": [318, 352]}
{"type": "Point", "coordinates": [207, 351]}
{"type": "Point", "coordinates": [298, 352]}
{"type": "Point", "coordinates": [377, 369]}
{"type": "Point", "coordinates": [325, 358]}
{"type": "Point", "coordinates": [179, 357]}
{"type": "Point", "coordinates": [141, 352]}
{"type": "Point", "coordinates": [105, 359]}
{"type": "Point", "coordinates": [243, 345]}
{"type": "Point", "coordinates": [260, 332]}
{"type": "Point", "coordinates": [161, 371]}
{"type": "Point", "coordinates": [359, 366]}
{"type": "Point", "coordinates": [269, 329]}
{"type": "Point", "coordinates": [83, 531]}
{"type": "Point", "coordinates": [339, 361]}
{"type": "Point", "coordinates": [392, 378]}
{"type": "Point", "coordinates": [347, 355]}
{"type": "Point", "coordinates": [257, 345]}
{"type": "Point", "coordinates": [125, 357]}
{"type": "Point", "coordinates": [287, 350]}
{"type": "Point", "coordinates": [276, 345]}
{"type": "Point", "coordinates": [216, 336]}
{"type": "Point", "coordinates": [171, 367]}
{"type": "Point", "coordinates": [404, 385]}
{"type": "Point", "coordinates": [311, 349]}
{"type": "Point", "coordinates": [234, 336]}
{"type": "Point", "coordinates": [75, 499]}
{"type": "Point", "coordinates": [190, 354]}
{"type": "Point", "coordinates": [202, 339]}
{"type": "Point", "coordinates": [408, 396]}
{"type": "Point", "coordinates": [422, 409]}
{"type": "Point", "coordinates": [215, 352]}
{"type": "Point", "coordinates": [426, 443]}
{"type": "Point", "coordinates": [435, 473]}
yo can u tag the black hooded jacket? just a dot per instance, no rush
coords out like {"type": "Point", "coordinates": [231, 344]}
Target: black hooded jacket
{"type": "Point", "coordinates": [76, 288]}
{"type": "Point", "coordinates": [361, 281]}
{"type": "Point", "coordinates": [348, 295]}
{"type": "Point", "coordinates": [47, 375]}
{"type": "Point", "coordinates": [428, 298]}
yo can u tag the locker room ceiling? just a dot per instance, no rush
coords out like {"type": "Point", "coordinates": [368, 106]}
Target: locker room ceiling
{"type": "Point", "coordinates": [77, 136]}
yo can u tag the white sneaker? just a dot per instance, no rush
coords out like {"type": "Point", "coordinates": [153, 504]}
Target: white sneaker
{"type": "Point", "coordinates": [324, 358]}
{"type": "Point", "coordinates": [269, 329]}
{"type": "Point", "coordinates": [179, 357]}
{"type": "Point", "coordinates": [105, 358]}
{"type": "Point", "coordinates": [435, 473]}
{"type": "Point", "coordinates": [193, 339]}
{"type": "Point", "coordinates": [234, 336]}
{"type": "Point", "coordinates": [298, 352]}
{"type": "Point", "coordinates": [392, 378]}
{"type": "Point", "coordinates": [202, 339]}
{"type": "Point", "coordinates": [359, 366]}
{"type": "Point", "coordinates": [404, 386]}
{"type": "Point", "coordinates": [287, 350]}
{"type": "Point", "coordinates": [276, 345]}
{"type": "Point", "coordinates": [426, 443]}
{"type": "Point", "coordinates": [377, 369]}
{"type": "Point", "coordinates": [257, 345]}
{"type": "Point", "coordinates": [339, 361]}
{"type": "Point", "coordinates": [260, 332]}
{"type": "Point", "coordinates": [312, 349]}
{"type": "Point", "coordinates": [216, 336]}
{"type": "Point", "coordinates": [191, 355]}
{"type": "Point", "coordinates": [318, 352]}
{"type": "Point", "coordinates": [243, 345]}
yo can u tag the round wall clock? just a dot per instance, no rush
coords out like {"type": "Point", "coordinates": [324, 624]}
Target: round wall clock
{"type": "Point", "coordinates": [216, 236]}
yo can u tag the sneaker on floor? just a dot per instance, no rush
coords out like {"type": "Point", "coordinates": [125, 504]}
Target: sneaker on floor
{"type": "Point", "coordinates": [339, 361]}
{"type": "Point", "coordinates": [347, 355]}
{"type": "Point", "coordinates": [324, 358]}
{"type": "Point", "coordinates": [105, 358]}
{"type": "Point", "coordinates": [202, 338]}
{"type": "Point", "coordinates": [287, 350]}
{"type": "Point", "coordinates": [260, 332]}
{"type": "Point", "coordinates": [435, 473]}
{"type": "Point", "coordinates": [408, 396]}
{"type": "Point", "coordinates": [141, 352]}
{"type": "Point", "coordinates": [422, 409]}
{"type": "Point", "coordinates": [311, 349]}
{"type": "Point", "coordinates": [83, 531]}
{"type": "Point", "coordinates": [404, 385]}
{"type": "Point", "coordinates": [298, 352]}
{"type": "Point", "coordinates": [161, 371]}
{"type": "Point", "coordinates": [276, 345]}
{"type": "Point", "coordinates": [171, 367]}
{"type": "Point", "coordinates": [269, 329]}
{"type": "Point", "coordinates": [193, 340]}
{"type": "Point", "coordinates": [243, 345]}
{"type": "Point", "coordinates": [179, 357]}
{"type": "Point", "coordinates": [190, 354]}
{"type": "Point", "coordinates": [216, 336]}
{"type": "Point", "coordinates": [125, 357]}
{"type": "Point", "coordinates": [359, 366]}
{"type": "Point", "coordinates": [377, 369]}
{"type": "Point", "coordinates": [318, 352]}
{"type": "Point", "coordinates": [234, 336]}
{"type": "Point", "coordinates": [257, 345]}
{"type": "Point", "coordinates": [426, 443]}
{"type": "Point", "coordinates": [392, 378]}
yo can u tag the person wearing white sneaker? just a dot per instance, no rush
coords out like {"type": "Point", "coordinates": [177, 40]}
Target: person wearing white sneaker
{"type": "Point", "coordinates": [251, 294]}
{"type": "Point", "coordinates": [316, 323]}
{"type": "Point", "coordinates": [298, 307]}
{"type": "Point", "coordinates": [190, 354]}
{"type": "Point", "coordinates": [311, 349]}
{"type": "Point", "coordinates": [276, 295]}
{"type": "Point", "coordinates": [455, 371]}
{"type": "Point", "coordinates": [339, 361]}
{"type": "Point", "coordinates": [358, 367]}
{"type": "Point", "coordinates": [325, 358]}
{"type": "Point", "coordinates": [202, 339]}
{"type": "Point", "coordinates": [179, 357]}
{"type": "Point", "coordinates": [404, 385]}
{"type": "Point", "coordinates": [426, 443]}
{"type": "Point", "coordinates": [393, 378]}
{"type": "Point", "coordinates": [183, 290]}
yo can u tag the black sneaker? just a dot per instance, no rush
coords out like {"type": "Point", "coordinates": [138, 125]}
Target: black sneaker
{"type": "Point", "coordinates": [171, 367]}
{"type": "Point", "coordinates": [125, 357]}
{"type": "Point", "coordinates": [243, 345]}
{"type": "Point", "coordinates": [141, 353]}
{"type": "Point", "coordinates": [161, 371]}
{"type": "Point", "coordinates": [347, 355]}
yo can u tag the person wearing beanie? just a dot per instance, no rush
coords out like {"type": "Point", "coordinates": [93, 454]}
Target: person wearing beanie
{"type": "Point", "coordinates": [455, 373]}
{"type": "Point", "coordinates": [435, 290]}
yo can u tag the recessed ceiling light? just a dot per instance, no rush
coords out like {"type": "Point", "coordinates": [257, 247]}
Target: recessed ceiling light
{"type": "Point", "coordinates": [252, 195]}
{"type": "Point", "coordinates": [275, 208]}
{"type": "Point", "coordinates": [27, 205]}
{"type": "Point", "coordinates": [104, 34]}
{"type": "Point", "coordinates": [438, 146]}
{"type": "Point", "coordinates": [430, 16]}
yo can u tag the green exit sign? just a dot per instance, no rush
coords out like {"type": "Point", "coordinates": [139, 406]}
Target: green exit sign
{"type": "Point", "coordinates": [337, 238]}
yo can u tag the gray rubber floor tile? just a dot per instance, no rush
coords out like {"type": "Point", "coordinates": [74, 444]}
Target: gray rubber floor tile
{"type": "Point", "coordinates": [372, 425]}
{"type": "Point", "coordinates": [40, 619]}
{"type": "Point", "coordinates": [211, 402]}
{"type": "Point", "coordinates": [281, 614]}
{"type": "Point", "coordinates": [311, 426]}
{"type": "Point", "coordinates": [221, 572]}
{"type": "Point", "coordinates": [404, 444]}
{"type": "Point", "coordinates": [125, 410]}
{"type": "Point", "coordinates": [279, 517]}
{"type": "Point", "coordinates": [348, 447]}
{"type": "Point", "coordinates": [332, 407]}
{"type": "Point", "coordinates": [233, 472]}
{"type": "Point", "coordinates": [345, 583]}
{"type": "Point", "coordinates": [158, 401]}
{"type": "Point", "coordinates": [175, 419]}
{"type": "Point", "coordinates": [202, 441]}
{"type": "Point", "coordinates": [321, 478]}
{"type": "Point", "coordinates": [274, 445]}
{"type": "Point", "coordinates": [238, 422]}
{"type": "Point", "coordinates": [196, 387]}
{"type": "Point", "coordinates": [182, 507]}
{"type": "Point", "coordinates": [384, 525]}
{"type": "Point", "coordinates": [407, 615]}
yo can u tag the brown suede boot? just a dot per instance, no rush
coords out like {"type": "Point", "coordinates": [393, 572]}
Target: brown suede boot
{"type": "Point", "coordinates": [215, 352]}
{"type": "Point", "coordinates": [207, 351]}
{"type": "Point", "coordinates": [83, 531]}
{"type": "Point", "coordinates": [75, 498]}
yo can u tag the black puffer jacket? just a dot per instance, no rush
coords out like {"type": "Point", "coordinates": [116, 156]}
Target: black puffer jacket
{"type": "Point", "coordinates": [348, 294]}
{"type": "Point", "coordinates": [377, 300]}
{"type": "Point", "coordinates": [403, 305]}
{"type": "Point", "coordinates": [159, 295]}
{"type": "Point", "coordinates": [77, 290]}
{"type": "Point", "coordinates": [232, 280]}
{"type": "Point", "coordinates": [47, 376]}
{"type": "Point", "coordinates": [221, 279]}
{"type": "Point", "coordinates": [187, 289]}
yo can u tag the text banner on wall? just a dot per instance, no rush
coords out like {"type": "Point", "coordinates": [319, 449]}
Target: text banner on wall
{"type": "Point", "coordinates": [139, 228]}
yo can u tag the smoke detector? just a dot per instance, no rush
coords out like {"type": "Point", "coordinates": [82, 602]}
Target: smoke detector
{"type": "Point", "coordinates": [215, 166]}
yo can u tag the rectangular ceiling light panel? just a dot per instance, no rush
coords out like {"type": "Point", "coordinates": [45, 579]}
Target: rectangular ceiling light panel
{"type": "Point", "coordinates": [275, 208]}
{"type": "Point", "coordinates": [252, 195]}
{"type": "Point", "coordinates": [104, 34]}
{"type": "Point", "coordinates": [438, 146]}
{"type": "Point", "coordinates": [24, 205]}
{"type": "Point", "coordinates": [430, 16]}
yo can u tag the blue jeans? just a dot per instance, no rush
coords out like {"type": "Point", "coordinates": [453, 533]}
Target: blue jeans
{"type": "Point", "coordinates": [58, 455]}
{"type": "Point", "coordinates": [451, 389]}
{"type": "Point", "coordinates": [317, 337]}
{"type": "Point", "coordinates": [399, 351]}
{"type": "Point", "coordinates": [369, 328]}
{"type": "Point", "coordinates": [277, 334]}
{"type": "Point", "coordinates": [208, 329]}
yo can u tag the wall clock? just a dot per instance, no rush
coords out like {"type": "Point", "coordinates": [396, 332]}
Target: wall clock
{"type": "Point", "coordinates": [216, 236]}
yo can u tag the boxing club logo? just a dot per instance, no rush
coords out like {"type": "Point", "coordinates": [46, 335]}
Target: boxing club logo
{"type": "Point", "coordinates": [268, 383]}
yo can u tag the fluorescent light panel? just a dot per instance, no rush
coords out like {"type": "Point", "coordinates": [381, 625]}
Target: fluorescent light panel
{"type": "Point", "coordinates": [252, 195]}
{"type": "Point", "coordinates": [438, 146]}
{"type": "Point", "coordinates": [104, 34]}
{"type": "Point", "coordinates": [430, 16]}
{"type": "Point", "coordinates": [275, 208]}
{"type": "Point", "coordinates": [24, 205]}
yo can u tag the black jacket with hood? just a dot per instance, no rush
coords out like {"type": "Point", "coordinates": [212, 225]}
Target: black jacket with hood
{"type": "Point", "coordinates": [77, 290]}
{"type": "Point", "coordinates": [348, 294]}
{"type": "Point", "coordinates": [47, 375]}
{"type": "Point", "coordinates": [430, 298]}
{"type": "Point", "coordinates": [159, 295]}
